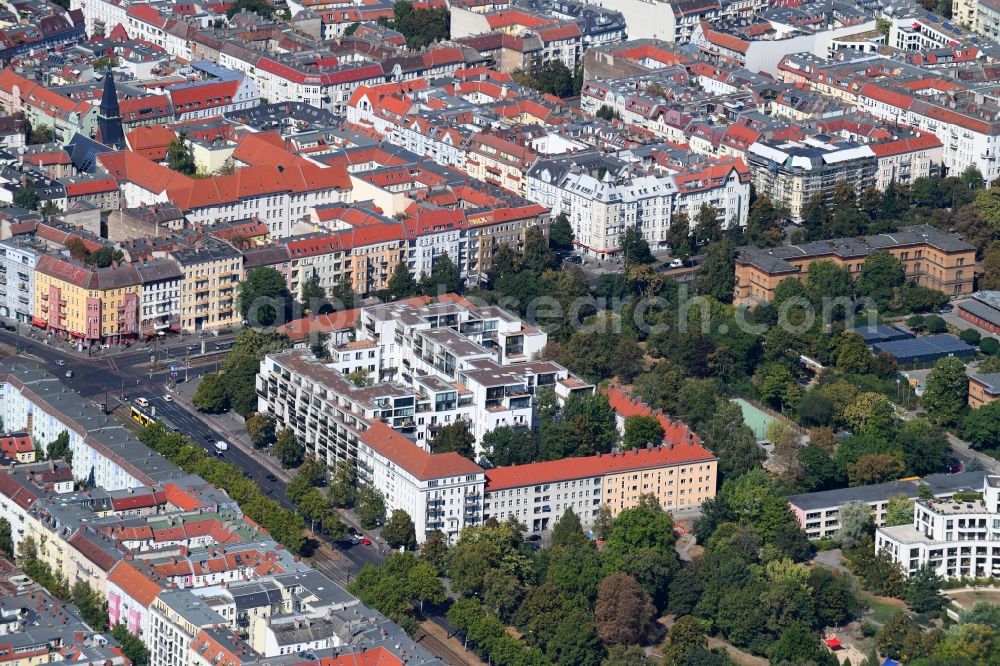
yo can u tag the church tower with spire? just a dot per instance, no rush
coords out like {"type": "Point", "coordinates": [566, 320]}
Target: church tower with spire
{"type": "Point", "coordinates": [109, 120]}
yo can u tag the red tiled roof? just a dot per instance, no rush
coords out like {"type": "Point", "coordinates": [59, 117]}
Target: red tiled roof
{"type": "Point", "coordinates": [11, 446]}
{"type": "Point", "coordinates": [907, 145]}
{"type": "Point", "coordinates": [422, 465]}
{"type": "Point", "coordinates": [516, 476]}
{"type": "Point", "coordinates": [181, 498]}
{"type": "Point", "coordinates": [885, 96]}
{"type": "Point", "coordinates": [188, 98]}
{"type": "Point", "coordinates": [91, 186]}
{"type": "Point", "coordinates": [558, 33]}
{"type": "Point", "coordinates": [49, 158]}
{"type": "Point", "coordinates": [138, 501]}
{"type": "Point", "coordinates": [726, 41]}
{"type": "Point", "coordinates": [131, 581]}
{"type": "Point", "coordinates": [378, 656]}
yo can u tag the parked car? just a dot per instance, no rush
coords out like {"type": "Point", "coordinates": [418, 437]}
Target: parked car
{"type": "Point", "coordinates": [946, 308]}
{"type": "Point", "coordinates": [365, 541]}
{"type": "Point", "coordinates": [953, 465]}
{"type": "Point", "coordinates": [270, 477]}
{"type": "Point", "coordinates": [677, 263]}
{"type": "Point", "coordinates": [533, 537]}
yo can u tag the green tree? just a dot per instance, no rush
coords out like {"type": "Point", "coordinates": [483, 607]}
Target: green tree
{"type": "Point", "coordinates": [593, 420]}
{"type": "Point", "coordinates": [923, 445]}
{"type": "Point", "coordinates": [262, 8]}
{"type": "Point", "coordinates": [853, 357]}
{"type": "Point", "coordinates": [923, 594]}
{"type": "Point", "coordinates": [797, 644]}
{"type": "Point", "coordinates": [370, 507]}
{"type": "Point", "coordinates": [399, 531]}
{"type": "Point", "coordinates": [778, 387]}
{"type": "Point", "coordinates": [92, 607]}
{"type": "Point", "coordinates": [640, 431]}
{"type": "Point", "coordinates": [343, 485]}
{"type": "Point", "coordinates": [445, 277]}
{"type": "Point", "coordinates": [58, 449]}
{"type": "Point", "coordinates": [243, 363]}
{"type": "Point", "coordinates": [6, 539]}
{"type": "Point", "coordinates": [454, 437]}
{"type": "Point", "coordinates": [635, 249]}
{"type": "Point", "coordinates": [881, 275]}
{"type": "Point", "coordinates": [342, 294]}
{"type": "Point", "coordinates": [287, 449]}
{"type": "Point", "coordinates": [421, 27]}
{"type": "Point", "coordinates": [935, 324]}
{"type": "Point", "coordinates": [982, 427]}
{"type": "Point", "coordinates": [946, 391]}
{"type": "Point", "coordinates": [211, 395]}
{"type": "Point", "coordinates": [27, 198]}
{"type": "Point", "coordinates": [105, 256]}
{"type": "Point", "coordinates": [901, 639]}
{"type": "Point", "coordinates": [261, 429]}
{"type": "Point", "coordinates": [506, 446]}
{"type": "Point", "coordinates": [874, 468]}
{"type": "Point", "coordinates": [402, 284]}
{"type": "Point", "coordinates": [561, 233]}
{"type": "Point", "coordinates": [180, 157]}
{"type": "Point", "coordinates": [132, 646]}
{"type": "Point", "coordinates": [717, 275]}
{"type": "Point", "coordinates": [538, 257]}
{"type": "Point", "coordinates": [856, 524]}
{"type": "Point", "coordinates": [262, 296]}
{"type": "Point", "coordinates": [575, 642]}
{"type": "Point", "coordinates": [899, 511]}
{"type": "Point", "coordinates": [764, 223]}
{"type": "Point", "coordinates": [312, 296]}
{"type": "Point", "coordinates": [435, 551]}
{"type": "Point", "coordinates": [990, 278]}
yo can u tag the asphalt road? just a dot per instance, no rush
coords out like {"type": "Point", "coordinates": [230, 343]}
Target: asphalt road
{"type": "Point", "coordinates": [109, 375]}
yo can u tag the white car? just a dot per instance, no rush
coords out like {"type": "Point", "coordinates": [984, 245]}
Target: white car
{"type": "Point", "coordinates": [221, 446]}
{"type": "Point", "coordinates": [142, 402]}
{"type": "Point", "coordinates": [168, 398]}
{"type": "Point", "coordinates": [677, 263]}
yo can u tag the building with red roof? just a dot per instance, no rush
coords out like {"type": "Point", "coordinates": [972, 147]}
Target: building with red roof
{"type": "Point", "coordinates": [206, 99]}
{"type": "Point", "coordinates": [680, 472]}
{"type": "Point", "coordinates": [17, 447]}
{"type": "Point", "coordinates": [439, 491]}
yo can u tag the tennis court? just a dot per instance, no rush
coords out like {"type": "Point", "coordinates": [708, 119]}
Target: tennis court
{"type": "Point", "coordinates": [755, 418]}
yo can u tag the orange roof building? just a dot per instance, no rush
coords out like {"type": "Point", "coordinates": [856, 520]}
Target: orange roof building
{"type": "Point", "coordinates": [681, 473]}
{"type": "Point", "coordinates": [131, 592]}
{"type": "Point", "coordinates": [439, 491]}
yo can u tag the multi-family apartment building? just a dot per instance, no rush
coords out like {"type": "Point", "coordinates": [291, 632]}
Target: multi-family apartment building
{"type": "Point", "coordinates": [930, 257]}
{"type": "Point", "coordinates": [603, 194]}
{"type": "Point", "coordinates": [958, 536]}
{"type": "Point", "coordinates": [78, 301]}
{"type": "Point", "coordinates": [18, 258]}
{"type": "Point", "coordinates": [211, 273]}
{"type": "Point", "coordinates": [482, 356]}
{"type": "Point", "coordinates": [680, 476]}
{"type": "Point", "coordinates": [160, 297]}
{"type": "Point", "coordinates": [818, 513]}
{"type": "Point", "coordinates": [439, 491]}
{"type": "Point", "coordinates": [791, 172]}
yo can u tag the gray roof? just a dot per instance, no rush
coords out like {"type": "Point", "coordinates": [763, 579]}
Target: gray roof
{"type": "Point", "coordinates": [940, 484]}
{"type": "Point", "coordinates": [775, 260]}
{"type": "Point", "coordinates": [990, 380]}
{"type": "Point", "coordinates": [191, 607]}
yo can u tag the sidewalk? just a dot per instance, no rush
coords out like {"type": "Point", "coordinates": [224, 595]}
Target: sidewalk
{"type": "Point", "coordinates": [230, 425]}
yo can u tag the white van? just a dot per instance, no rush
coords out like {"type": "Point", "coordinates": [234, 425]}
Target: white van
{"type": "Point", "coordinates": [221, 446]}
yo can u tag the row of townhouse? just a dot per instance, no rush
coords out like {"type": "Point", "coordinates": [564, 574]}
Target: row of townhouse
{"type": "Point", "coordinates": [178, 564]}
{"type": "Point", "coordinates": [446, 492]}
{"type": "Point", "coordinates": [603, 194]}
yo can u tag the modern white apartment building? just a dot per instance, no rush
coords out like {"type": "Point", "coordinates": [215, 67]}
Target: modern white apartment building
{"type": "Point", "coordinates": [958, 536]}
{"type": "Point", "coordinates": [17, 279]}
{"type": "Point", "coordinates": [329, 413]}
{"type": "Point", "coordinates": [477, 356]}
{"type": "Point", "coordinates": [439, 491]}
